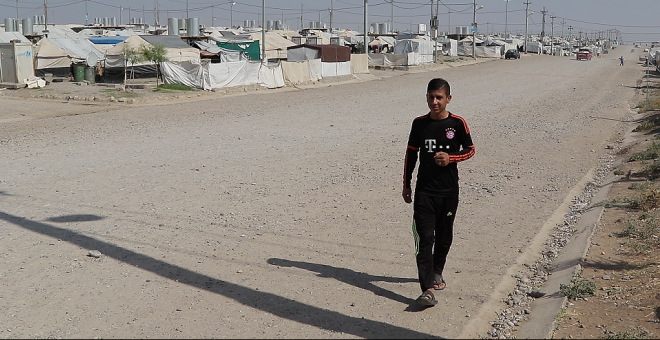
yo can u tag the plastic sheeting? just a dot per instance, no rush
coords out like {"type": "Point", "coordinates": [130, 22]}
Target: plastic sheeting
{"type": "Point", "coordinates": [315, 70]}
{"type": "Point", "coordinates": [208, 76]}
{"type": "Point", "coordinates": [359, 63]}
{"type": "Point", "coordinates": [302, 53]}
{"type": "Point", "coordinates": [480, 51]}
{"type": "Point", "coordinates": [423, 48]}
{"type": "Point", "coordinates": [389, 59]}
{"type": "Point", "coordinates": [335, 69]}
{"type": "Point", "coordinates": [226, 55]}
{"type": "Point", "coordinates": [296, 72]}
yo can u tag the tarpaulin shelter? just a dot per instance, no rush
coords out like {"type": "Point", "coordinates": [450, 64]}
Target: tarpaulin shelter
{"type": "Point", "coordinates": [327, 53]}
{"type": "Point", "coordinates": [176, 49]}
{"type": "Point", "coordinates": [51, 58]}
{"type": "Point", "coordinates": [250, 48]}
{"type": "Point", "coordinates": [209, 76]}
{"type": "Point", "coordinates": [7, 37]}
{"type": "Point", "coordinates": [218, 54]}
{"type": "Point", "coordinates": [276, 45]}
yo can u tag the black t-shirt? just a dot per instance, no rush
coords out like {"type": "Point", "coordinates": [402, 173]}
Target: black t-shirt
{"type": "Point", "coordinates": [428, 136]}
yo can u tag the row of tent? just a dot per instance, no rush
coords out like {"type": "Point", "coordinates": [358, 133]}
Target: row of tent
{"type": "Point", "coordinates": [58, 53]}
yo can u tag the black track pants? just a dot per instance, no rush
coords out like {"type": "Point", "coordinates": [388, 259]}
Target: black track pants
{"type": "Point", "coordinates": [433, 225]}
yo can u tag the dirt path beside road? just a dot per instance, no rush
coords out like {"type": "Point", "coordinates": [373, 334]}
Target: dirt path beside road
{"type": "Point", "coordinates": [277, 214]}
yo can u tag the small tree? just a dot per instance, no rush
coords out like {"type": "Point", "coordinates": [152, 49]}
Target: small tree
{"type": "Point", "coordinates": [131, 56]}
{"type": "Point", "coordinates": [156, 54]}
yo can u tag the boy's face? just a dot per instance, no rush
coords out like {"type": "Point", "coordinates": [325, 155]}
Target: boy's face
{"type": "Point", "coordinates": [437, 101]}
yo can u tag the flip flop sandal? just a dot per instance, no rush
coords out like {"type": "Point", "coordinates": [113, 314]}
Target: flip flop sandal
{"type": "Point", "coordinates": [438, 282]}
{"type": "Point", "coordinates": [427, 299]}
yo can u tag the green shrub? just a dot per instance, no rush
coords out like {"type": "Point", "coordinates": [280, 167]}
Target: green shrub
{"type": "Point", "coordinates": [579, 288]}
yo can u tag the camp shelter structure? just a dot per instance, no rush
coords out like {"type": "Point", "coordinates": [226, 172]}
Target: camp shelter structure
{"type": "Point", "coordinates": [249, 48]}
{"type": "Point", "coordinates": [16, 62]}
{"type": "Point", "coordinates": [114, 64]}
{"type": "Point", "coordinates": [51, 58]}
{"type": "Point", "coordinates": [7, 37]}
{"type": "Point", "coordinates": [327, 53]}
{"type": "Point", "coordinates": [176, 49]}
{"type": "Point", "coordinates": [276, 45]}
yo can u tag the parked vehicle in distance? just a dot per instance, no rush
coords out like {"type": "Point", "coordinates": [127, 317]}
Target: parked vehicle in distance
{"type": "Point", "coordinates": [583, 54]}
{"type": "Point", "coordinates": [512, 54]}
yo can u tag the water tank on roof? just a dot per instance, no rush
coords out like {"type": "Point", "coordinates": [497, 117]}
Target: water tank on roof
{"type": "Point", "coordinates": [27, 27]}
{"type": "Point", "coordinates": [113, 21]}
{"type": "Point", "coordinates": [104, 21]}
{"type": "Point", "coordinates": [42, 19]}
{"type": "Point", "coordinates": [382, 27]}
{"type": "Point", "coordinates": [192, 27]}
{"type": "Point", "coordinates": [172, 26]}
{"type": "Point", "coordinates": [464, 30]}
{"type": "Point", "coordinates": [9, 25]}
{"type": "Point", "coordinates": [374, 28]}
{"type": "Point", "coordinates": [278, 25]}
{"type": "Point", "coordinates": [269, 25]}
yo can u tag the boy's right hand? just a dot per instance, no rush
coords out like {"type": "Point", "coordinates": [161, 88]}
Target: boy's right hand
{"type": "Point", "coordinates": [406, 195]}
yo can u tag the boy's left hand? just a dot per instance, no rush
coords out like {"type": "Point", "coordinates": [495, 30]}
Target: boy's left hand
{"type": "Point", "coordinates": [441, 158]}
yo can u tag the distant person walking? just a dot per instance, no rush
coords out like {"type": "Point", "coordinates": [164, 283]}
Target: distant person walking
{"type": "Point", "coordinates": [621, 61]}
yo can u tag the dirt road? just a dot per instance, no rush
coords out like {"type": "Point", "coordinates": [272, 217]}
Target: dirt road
{"type": "Point", "coordinates": [278, 214]}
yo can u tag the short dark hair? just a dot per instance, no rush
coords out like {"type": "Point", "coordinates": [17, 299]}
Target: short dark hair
{"type": "Point", "coordinates": [437, 84]}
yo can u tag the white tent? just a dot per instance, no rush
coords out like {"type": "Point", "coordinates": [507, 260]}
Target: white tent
{"type": "Point", "coordinates": [421, 49]}
{"type": "Point", "coordinates": [276, 45]}
{"type": "Point", "coordinates": [208, 76]}
{"type": "Point", "coordinates": [113, 56]}
{"type": "Point", "coordinates": [51, 58]}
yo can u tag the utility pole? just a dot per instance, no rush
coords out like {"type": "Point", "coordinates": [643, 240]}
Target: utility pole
{"type": "Point", "coordinates": [580, 38]}
{"type": "Point", "coordinates": [301, 16]}
{"type": "Point", "coordinates": [562, 28]}
{"type": "Point", "coordinates": [331, 8]}
{"type": "Point", "coordinates": [86, 14]}
{"type": "Point", "coordinates": [46, 18]}
{"type": "Point", "coordinates": [366, 28]}
{"type": "Point", "coordinates": [263, 31]}
{"type": "Point", "coordinates": [543, 25]}
{"type": "Point", "coordinates": [474, 28]}
{"type": "Point", "coordinates": [434, 27]}
{"type": "Point", "coordinates": [552, 35]}
{"type": "Point", "coordinates": [526, 24]}
{"type": "Point", "coordinates": [506, 18]}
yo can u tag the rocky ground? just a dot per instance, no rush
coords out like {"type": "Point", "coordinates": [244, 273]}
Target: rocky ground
{"type": "Point", "coordinates": [164, 245]}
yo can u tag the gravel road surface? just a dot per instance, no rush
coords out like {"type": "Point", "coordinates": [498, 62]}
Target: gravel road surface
{"type": "Point", "coordinates": [278, 213]}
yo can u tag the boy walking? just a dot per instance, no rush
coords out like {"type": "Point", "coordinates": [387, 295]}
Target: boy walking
{"type": "Point", "coordinates": [440, 139]}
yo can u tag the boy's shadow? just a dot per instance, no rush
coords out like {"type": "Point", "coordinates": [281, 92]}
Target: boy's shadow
{"type": "Point", "coordinates": [357, 279]}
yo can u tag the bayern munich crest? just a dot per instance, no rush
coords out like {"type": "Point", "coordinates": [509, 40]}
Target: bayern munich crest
{"type": "Point", "coordinates": [450, 134]}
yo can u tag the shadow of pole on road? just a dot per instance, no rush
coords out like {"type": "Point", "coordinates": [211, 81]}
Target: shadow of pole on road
{"type": "Point", "coordinates": [271, 303]}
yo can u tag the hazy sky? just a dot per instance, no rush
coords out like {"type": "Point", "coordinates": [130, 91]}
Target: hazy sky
{"type": "Point", "coordinates": [635, 20]}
